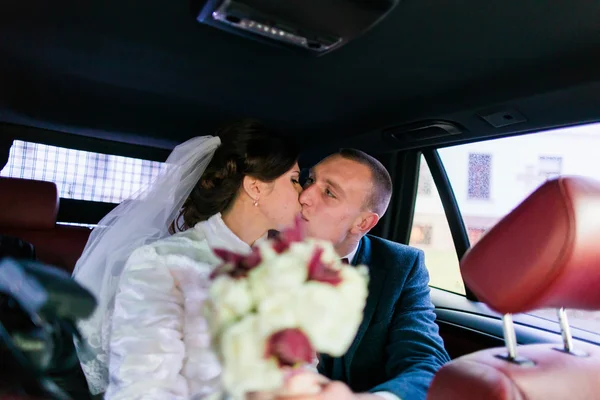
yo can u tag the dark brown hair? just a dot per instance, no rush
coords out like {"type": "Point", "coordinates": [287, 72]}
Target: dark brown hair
{"type": "Point", "coordinates": [379, 198]}
{"type": "Point", "coordinates": [247, 148]}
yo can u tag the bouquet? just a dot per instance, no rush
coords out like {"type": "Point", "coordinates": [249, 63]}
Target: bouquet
{"type": "Point", "coordinates": [272, 311]}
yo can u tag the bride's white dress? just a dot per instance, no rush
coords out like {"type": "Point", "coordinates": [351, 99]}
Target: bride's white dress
{"type": "Point", "coordinates": [159, 345]}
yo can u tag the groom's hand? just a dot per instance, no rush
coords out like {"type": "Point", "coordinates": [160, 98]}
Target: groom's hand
{"type": "Point", "coordinates": [335, 391]}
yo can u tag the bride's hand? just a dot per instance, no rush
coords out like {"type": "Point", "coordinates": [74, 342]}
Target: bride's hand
{"type": "Point", "coordinates": [298, 382]}
{"type": "Point", "coordinates": [303, 381]}
{"type": "Point", "coordinates": [260, 396]}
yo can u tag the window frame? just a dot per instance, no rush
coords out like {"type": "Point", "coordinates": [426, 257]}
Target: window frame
{"type": "Point", "coordinates": [405, 169]}
{"type": "Point", "coordinates": [451, 209]}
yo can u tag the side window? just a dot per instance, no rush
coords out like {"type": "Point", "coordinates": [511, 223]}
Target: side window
{"type": "Point", "coordinates": [431, 233]}
{"type": "Point", "coordinates": [81, 175]}
{"type": "Point", "coordinates": [505, 171]}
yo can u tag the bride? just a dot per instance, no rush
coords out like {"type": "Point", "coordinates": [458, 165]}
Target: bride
{"type": "Point", "coordinates": [147, 338]}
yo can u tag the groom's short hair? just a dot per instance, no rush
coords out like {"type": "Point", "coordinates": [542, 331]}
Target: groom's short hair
{"type": "Point", "coordinates": [379, 199]}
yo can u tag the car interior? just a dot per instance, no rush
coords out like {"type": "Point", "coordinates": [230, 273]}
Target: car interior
{"type": "Point", "coordinates": [479, 111]}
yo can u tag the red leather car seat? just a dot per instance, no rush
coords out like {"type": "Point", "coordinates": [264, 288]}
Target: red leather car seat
{"type": "Point", "coordinates": [545, 253]}
{"type": "Point", "coordinates": [28, 210]}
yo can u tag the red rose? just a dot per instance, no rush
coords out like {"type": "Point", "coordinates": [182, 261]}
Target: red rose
{"type": "Point", "coordinates": [283, 240]}
{"type": "Point", "coordinates": [290, 347]}
{"type": "Point", "coordinates": [321, 272]}
{"type": "Point", "coordinates": [236, 265]}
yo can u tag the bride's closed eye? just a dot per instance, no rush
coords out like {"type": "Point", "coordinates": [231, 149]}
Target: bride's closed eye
{"type": "Point", "coordinates": [295, 180]}
{"type": "Point", "coordinates": [296, 184]}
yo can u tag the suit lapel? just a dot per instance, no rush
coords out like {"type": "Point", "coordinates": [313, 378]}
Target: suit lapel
{"type": "Point", "coordinates": [377, 274]}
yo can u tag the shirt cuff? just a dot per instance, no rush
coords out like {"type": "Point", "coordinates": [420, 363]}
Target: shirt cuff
{"type": "Point", "coordinates": [387, 395]}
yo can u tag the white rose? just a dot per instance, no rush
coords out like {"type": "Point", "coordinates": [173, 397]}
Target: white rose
{"type": "Point", "coordinates": [229, 298]}
{"type": "Point", "coordinates": [305, 250]}
{"type": "Point", "coordinates": [277, 312]}
{"type": "Point", "coordinates": [245, 368]}
{"type": "Point", "coordinates": [354, 286]}
{"type": "Point", "coordinates": [266, 251]}
{"type": "Point", "coordinates": [232, 293]}
{"type": "Point", "coordinates": [218, 317]}
{"type": "Point", "coordinates": [280, 274]}
{"type": "Point", "coordinates": [330, 315]}
{"type": "Point", "coordinates": [288, 270]}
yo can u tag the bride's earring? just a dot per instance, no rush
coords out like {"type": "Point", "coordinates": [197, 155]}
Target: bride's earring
{"type": "Point", "coordinates": [256, 203]}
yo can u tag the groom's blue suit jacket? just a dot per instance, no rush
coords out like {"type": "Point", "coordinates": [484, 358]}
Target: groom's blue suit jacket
{"type": "Point", "coordinates": [397, 348]}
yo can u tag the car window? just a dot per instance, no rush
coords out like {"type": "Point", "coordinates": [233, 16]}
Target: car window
{"type": "Point", "coordinates": [491, 178]}
{"type": "Point", "coordinates": [431, 233]}
{"type": "Point", "coordinates": [81, 175]}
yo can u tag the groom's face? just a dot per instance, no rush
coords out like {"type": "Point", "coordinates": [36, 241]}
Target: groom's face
{"type": "Point", "coordinates": [334, 198]}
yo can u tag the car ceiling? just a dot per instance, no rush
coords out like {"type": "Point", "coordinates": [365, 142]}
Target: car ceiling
{"type": "Point", "coordinates": [148, 72]}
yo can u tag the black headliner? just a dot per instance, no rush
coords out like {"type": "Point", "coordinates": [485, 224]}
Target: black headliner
{"type": "Point", "coordinates": [138, 70]}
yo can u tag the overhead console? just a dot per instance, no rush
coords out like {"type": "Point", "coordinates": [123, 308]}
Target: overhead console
{"type": "Point", "coordinates": [314, 26]}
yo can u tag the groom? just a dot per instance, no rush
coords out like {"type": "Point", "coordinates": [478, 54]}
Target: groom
{"type": "Point", "coordinates": [397, 349]}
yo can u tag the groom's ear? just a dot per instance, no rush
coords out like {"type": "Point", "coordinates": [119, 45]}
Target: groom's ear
{"type": "Point", "coordinates": [365, 222]}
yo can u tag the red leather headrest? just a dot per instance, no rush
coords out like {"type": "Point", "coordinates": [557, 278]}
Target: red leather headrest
{"type": "Point", "coordinates": [545, 253]}
{"type": "Point", "coordinates": [27, 204]}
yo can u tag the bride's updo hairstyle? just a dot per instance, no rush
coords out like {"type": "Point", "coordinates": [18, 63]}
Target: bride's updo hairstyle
{"type": "Point", "coordinates": [247, 148]}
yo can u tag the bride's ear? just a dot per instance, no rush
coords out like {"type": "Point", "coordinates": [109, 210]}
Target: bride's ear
{"type": "Point", "coordinates": [252, 187]}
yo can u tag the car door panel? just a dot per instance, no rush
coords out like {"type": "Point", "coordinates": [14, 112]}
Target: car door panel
{"type": "Point", "coordinates": [468, 326]}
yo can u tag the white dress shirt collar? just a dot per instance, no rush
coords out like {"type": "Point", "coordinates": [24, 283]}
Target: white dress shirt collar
{"type": "Point", "coordinates": [350, 256]}
{"type": "Point", "coordinates": [218, 235]}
